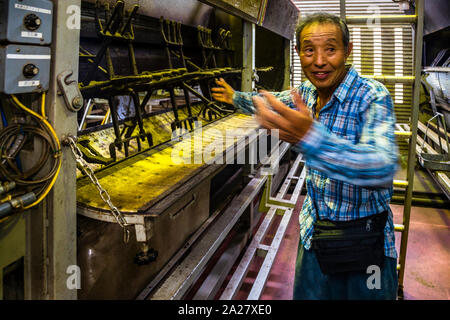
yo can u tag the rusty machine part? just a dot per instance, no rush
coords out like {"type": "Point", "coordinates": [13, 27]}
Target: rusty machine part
{"type": "Point", "coordinates": [117, 29]}
{"type": "Point", "coordinates": [161, 203]}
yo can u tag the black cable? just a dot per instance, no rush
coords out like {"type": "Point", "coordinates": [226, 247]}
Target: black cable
{"type": "Point", "coordinates": [6, 163]}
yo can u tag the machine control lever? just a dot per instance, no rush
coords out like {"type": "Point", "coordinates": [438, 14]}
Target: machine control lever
{"type": "Point", "coordinates": [32, 22]}
{"type": "Point", "coordinates": [30, 70]}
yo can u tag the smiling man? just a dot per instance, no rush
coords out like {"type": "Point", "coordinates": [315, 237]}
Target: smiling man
{"type": "Point", "coordinates": [343, 124]}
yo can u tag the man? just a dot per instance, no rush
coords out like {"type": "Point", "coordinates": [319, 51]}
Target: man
{"type": "Point", "coordinates": [343, 124]}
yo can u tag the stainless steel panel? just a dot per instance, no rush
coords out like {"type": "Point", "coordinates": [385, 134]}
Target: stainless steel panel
{"type": "Point", "coordinates": [108, 270]}
{"type": "Point", "coordinates": [189, 12]}
{"type": "Point", "coordinates": [250, 10]}
{"type": "Point", "coordinates": [281, 17]}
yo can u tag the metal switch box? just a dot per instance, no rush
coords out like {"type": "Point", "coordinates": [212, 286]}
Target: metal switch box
{"type": "Point", "coordinates": [26, 21]}
{"type": "Point", "coordinates": [24, 68]}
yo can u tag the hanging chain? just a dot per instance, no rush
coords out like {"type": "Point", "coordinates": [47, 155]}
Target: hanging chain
{"type": "Point", "coordinates": [103, 193]}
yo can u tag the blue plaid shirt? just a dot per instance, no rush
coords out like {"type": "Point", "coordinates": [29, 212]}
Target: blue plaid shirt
{"type": "Point", "coordinates": [350, 152]}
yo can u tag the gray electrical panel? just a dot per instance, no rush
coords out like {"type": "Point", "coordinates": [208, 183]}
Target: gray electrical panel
{"type": "Point", "coordinates": [26, 21]}
{"type": "Point", "coordinates": [24, 68]}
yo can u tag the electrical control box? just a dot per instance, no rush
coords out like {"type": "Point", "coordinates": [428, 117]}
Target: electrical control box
{"type": "Point", "coordinates": [24, 68]}
{"type": "Point", "coordinates": [26, 21]}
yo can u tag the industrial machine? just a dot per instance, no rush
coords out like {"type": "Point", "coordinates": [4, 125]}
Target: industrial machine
{"type": "Point", "coordinates": [121, 177]}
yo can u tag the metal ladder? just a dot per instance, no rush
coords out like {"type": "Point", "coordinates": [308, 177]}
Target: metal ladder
{"type": "Point", "coordinates": [106, 118]}
{"type": "Point", "coordinates": [417, 20]}
{"type": "Point", "coordinates": [272, 206]}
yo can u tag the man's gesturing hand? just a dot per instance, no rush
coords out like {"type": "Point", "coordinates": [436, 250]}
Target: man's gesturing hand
{"type": "Point", "coordinates": [223, 93]}
{"type": "Point", "coordinates": [292, 124]}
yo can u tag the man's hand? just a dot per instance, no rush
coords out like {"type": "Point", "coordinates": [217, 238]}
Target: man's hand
{"type": "Point", "coordinates": [292, 124]}
{"type": "Point", "coordinates": [223, 93]}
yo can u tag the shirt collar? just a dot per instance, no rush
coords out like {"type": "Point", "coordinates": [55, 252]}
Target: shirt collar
{"type": "Point", "coordinates": [344, 87]}
{"type": "Point", "coordinates": [342, 91]}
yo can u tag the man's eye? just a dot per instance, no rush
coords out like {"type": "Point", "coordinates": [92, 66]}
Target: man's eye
{"type": "Point", "coordinates": [331, 49]}
{"type": "Point", "coordinates": [308, 50]}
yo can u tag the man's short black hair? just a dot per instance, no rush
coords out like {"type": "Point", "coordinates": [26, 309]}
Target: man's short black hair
{"type": "Point", "coordinates": [321, 18]}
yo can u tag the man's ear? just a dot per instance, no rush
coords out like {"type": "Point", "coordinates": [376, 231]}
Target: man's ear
{"type": "Point", "coordinates": [349, 50]}
{"type": "Point", "coordinates": [296, 50]}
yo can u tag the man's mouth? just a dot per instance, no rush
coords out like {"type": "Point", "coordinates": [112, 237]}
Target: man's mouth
{"type": "Point", "coordinates": [321, 75]}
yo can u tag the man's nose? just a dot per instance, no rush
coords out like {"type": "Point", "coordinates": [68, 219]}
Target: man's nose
{"type": "Point", "coordinates": [320, 60]}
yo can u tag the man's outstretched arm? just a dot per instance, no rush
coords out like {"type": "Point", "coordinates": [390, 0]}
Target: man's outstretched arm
{"type": "Point", "coordinates": [371, 162]}
{"type": "Point", "coordinates": [243, 100]}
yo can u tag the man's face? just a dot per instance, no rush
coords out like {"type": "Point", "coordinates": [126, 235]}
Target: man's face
{"type": "Point", "coordinates": [322, 55]}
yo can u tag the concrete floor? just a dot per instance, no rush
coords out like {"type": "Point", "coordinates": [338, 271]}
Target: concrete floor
{"type": "Point", "coordinates": [427, 274]}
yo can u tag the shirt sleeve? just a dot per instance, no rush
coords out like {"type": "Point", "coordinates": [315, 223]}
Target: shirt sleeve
{"type": "Point", "coordinates": [372, 162]}
{"type": "Point", "coordinates": [243, 100]}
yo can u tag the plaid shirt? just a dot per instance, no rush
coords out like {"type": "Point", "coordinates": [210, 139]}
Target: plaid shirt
{"type": "Point", "coordinates": [350, 152]}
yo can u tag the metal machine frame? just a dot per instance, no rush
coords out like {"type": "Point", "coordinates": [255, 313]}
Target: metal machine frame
{"type": "Point", "coordinates": [50, 230]}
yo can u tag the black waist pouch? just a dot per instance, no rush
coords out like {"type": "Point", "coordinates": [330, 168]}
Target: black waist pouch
{"type": "Point", "coordinates": [343, 246]}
